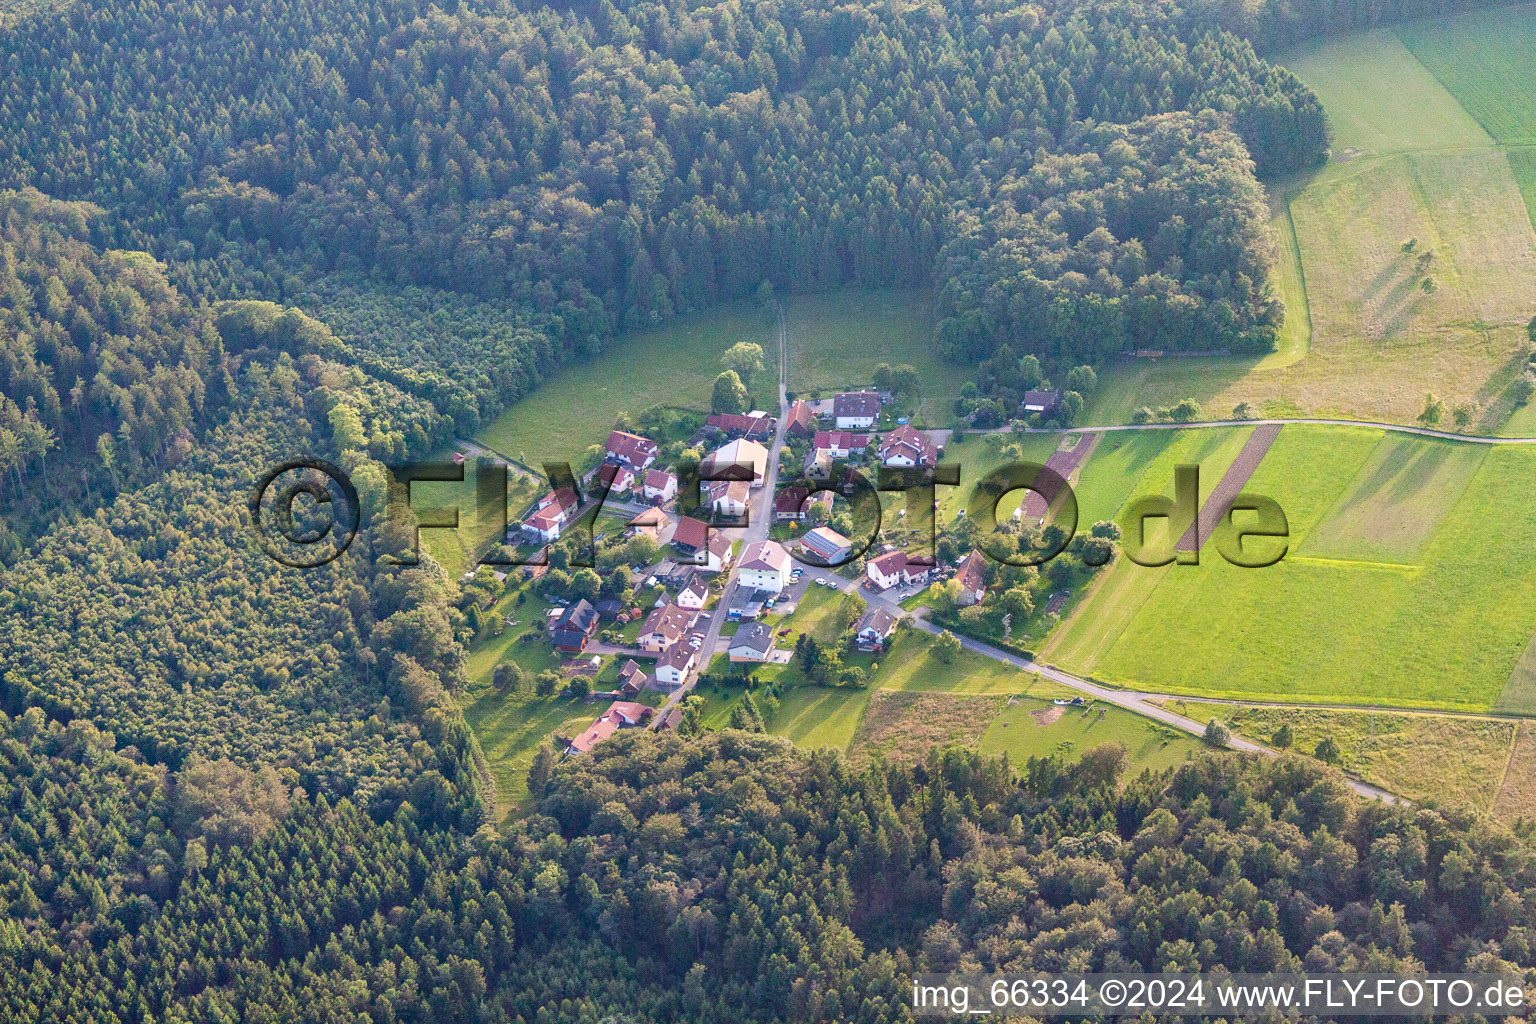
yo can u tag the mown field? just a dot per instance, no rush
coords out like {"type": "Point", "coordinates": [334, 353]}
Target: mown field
{"type": "Point", "coordinates": [1452, 760]}
{"type": "Point", "coordinates": [1385, 597]}
{"type": "Point", "coordinates": [673, 365]}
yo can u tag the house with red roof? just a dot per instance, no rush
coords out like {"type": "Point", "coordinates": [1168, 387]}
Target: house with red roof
{"type": "Point", "coordinates": [631, 450]}
{"type": "Point", "coordinates": [972, 576]}
{"type": "Point", "coordinates": [551, 515]}
{"type": "Point", "coordinates": [907, 447]}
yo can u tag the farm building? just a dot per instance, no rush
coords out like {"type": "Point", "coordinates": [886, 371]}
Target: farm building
{"type": "Point", "coordinates": [1046, 403]}
{"type": "Point", "coordinates": [573, 627]}
{"type": "Point", "coordinates": [801, 421]}
{"type": "Point", "coordinates": [828, 544]}
{"type": "Point", "coordinates": [739, 453]}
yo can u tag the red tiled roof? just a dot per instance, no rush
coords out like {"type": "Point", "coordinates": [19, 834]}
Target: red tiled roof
{"type": "Point", "coordinates": [856, 403]}
{"type": "Point", "coordinates": [631, 447]}
{"type": "Point", "coordinates": [690, 533]}
{"type": "Point", "coordinates": [972, 572]}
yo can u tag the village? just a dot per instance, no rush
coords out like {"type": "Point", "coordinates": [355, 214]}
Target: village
{"type": "Point", "coordinates": [731, 568]}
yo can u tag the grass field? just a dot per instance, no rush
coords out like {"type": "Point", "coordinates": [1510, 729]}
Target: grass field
{"type": "Point", "coordinates": [1395, 501]}
{"type": "Point", "coordinates": [1121, 469]}
{"type": "Point", "coordinates": [672, 365]}
{"type": "Point", "coordinates": [1455, 761]}
{"type": "Point", "coordinates": [1487, 61]}
{"type": "Point", "coordinates": [1441, 633]}
{"type": "Point", "coordinates": [1018, 732]}
{"type": "Point", "coordinates": [901, 727]}
{"type": "Point", "coordinates": [1380, 99]}
{"type": "Point", "coordinates": [835, 340]}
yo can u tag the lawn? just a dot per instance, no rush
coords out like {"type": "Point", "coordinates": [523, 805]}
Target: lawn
{"type": "Point", "coordinates": [1443, 634]}
{"type": "Point", "coordinates": [980, 454]}
{"type": "Point", "coordinates": [836, 338]}
{"type": "Point", "coordinates": [1033, 728]}
{"type": "Point", "coordinates": [1454, 760]}
{"type": "Point", "coordinates": [672, 365]}
{"type": "Point", "coordinates": [456, 550]}
{"type": "Point", "coordinates": [900, 727]}
{"type": "Point", "coordinates": [1379, 98]}
{"type": "Point", "coordinates": [1486, 60]}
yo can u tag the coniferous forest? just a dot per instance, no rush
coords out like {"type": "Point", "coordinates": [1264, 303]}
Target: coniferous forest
{"type": "Point", "coordinates": [236, 792]}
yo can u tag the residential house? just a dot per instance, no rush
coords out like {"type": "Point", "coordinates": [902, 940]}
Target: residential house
{"type": "Point", "coordinates": [894, 569]}
{"type": "Point", "coordinates": [855, 409]}
{"type": "Point", "coordinates": [717, 557]}
{"type": "Point", "coordinates": [664, 627]}
{"type": "Point", "coordinates": [649, 523]}
{"type": "Point", "coordinates": [839, 444]}
{"type": "Point", "coordinates": [621, 479]}
{"type": "Point", "coordinates": [792, 503]}
{"type": "Point", "coordinates": [739, 453]}
{"type": "Point", "coordinates": [631, 450]}
{"type": "Point", "coordinates": [672, 719]}
{"type": "Point", "coordinates": [905, 447]}
{"type": "Point", "coordinates": [659, 486]}
{"type": "Point", "coordinates": [632, 678]}
{"type": "Point", "coordinates": [551, 515]}
{"type": "Point", "coordinates": [756, 425]}
{"type": "Point", "coordinates": [972, 577]}
{"type": "Point", "coordinates": [753, 642]}
{"type": "Point", "coordinates": [764, 565]}
{"type": "Point", "coordinates": [573, 627]}
{"type": "Point", "coordinates": [620, 715]}
{"type": "Point", "coordinates": [873, 630]}
{"type": "Point", "coordinates": [675, 663]}
{"type": "Point", "coordinates": [1046, 403]}
{"type": "Point", "coordinates": [817, 465]}
{"type": "Point", "coordinates": [801, 422]}
{"type": "Point", "coordinates": [831, 546]}
{"type": "Point", "coordinates": [695, 593]}
{"type": "Point", "coordinates": [609, 608]}
{"type": "Point", "coordinates": [728, 497]}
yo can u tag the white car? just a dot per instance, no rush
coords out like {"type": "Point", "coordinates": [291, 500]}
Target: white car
{"type": "Point", "coordinates": [822, 580]}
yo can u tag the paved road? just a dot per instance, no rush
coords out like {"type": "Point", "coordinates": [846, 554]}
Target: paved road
{"type": "Point", "coordinates": [1399, 428]}
{"type": "Point", "coordinates": [759, 520]}
{"type": "Point", "coordinates": [1130, 700]}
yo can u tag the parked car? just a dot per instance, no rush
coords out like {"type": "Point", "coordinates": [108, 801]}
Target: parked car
{"type": "Point", "coordinates": [822, 580]}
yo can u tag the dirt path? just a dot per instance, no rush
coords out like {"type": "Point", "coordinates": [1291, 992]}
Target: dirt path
{"type": "Point", "coordinates": [1232, 484]}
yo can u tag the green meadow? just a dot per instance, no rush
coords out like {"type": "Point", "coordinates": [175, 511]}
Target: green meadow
{"type": "Point", "coordinates": [1487, 61]}
{"type": "Point", "coordinates": [672, 365]}
{"type": "Point", "coordinates": [1385, 596]}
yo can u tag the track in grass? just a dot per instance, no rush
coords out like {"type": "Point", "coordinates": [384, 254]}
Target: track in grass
{"type": "Point", "coordinates": [1230, 486]}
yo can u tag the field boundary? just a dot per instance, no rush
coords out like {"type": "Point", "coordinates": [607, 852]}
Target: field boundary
{"type": "Point", "coordinates": [1229, 487]}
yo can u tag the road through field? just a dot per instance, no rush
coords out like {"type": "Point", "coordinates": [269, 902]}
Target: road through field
{"type": "Point", "coordinates": [1136, 701]}
{"type": "Point", "coordinates": [1398, 428]}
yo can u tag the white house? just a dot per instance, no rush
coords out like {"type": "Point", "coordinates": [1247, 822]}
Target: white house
{"type": "Point", "coordinates": [728, 497]}
{"type": "Point", "coordinates": [664, 627]}
{"type": "Point", "coordinates": [853, 410]}
{"type": "Point", "coordinates": [675, 663]}
{"type": "Point", "coordinates": [659, 486]}
{"type": "Point", "coordinates": [695, 594]}
{"type": "Point", "coordinates": [874, 629]}
{"type": "Point", "coordinates": [764, 565]}
{"type": "Point", "coordinates": [631, 450]}
{"type": "Point", "coordinates": [551, 515]}
{"type": "Point", "coordinates": [906, 447]}
{"type": "Point", "coordinates": [893, 568]}
{"type": "Point", "coordinates": [741, 452]}
{"type": "Point", "coordinates": [753, 642]}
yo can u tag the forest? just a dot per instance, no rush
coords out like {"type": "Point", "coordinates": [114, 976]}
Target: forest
{"type": "Point", "coordinates": [236, 792]}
